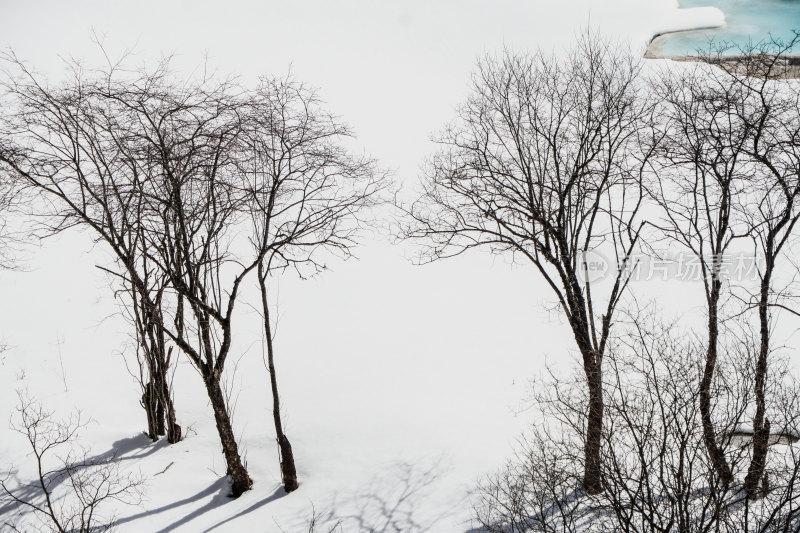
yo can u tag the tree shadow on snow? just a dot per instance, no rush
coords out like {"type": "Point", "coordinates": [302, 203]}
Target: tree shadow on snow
{"type": "Point", "coordinates": [279, 492]}
{"type": "Point", "coordinates": [391, 501]}
{"type": "Point", "coordinates": [219, 489]}
{"type": "Point", "coordinates": [125, 449]}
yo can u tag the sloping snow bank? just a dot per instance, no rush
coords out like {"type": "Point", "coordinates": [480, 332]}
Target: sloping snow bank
{"type": "Point", "coordinates": [690, 19]}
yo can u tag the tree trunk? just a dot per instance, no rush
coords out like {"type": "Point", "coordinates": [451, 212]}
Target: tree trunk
{"type": "Point", "coordinates": [153, 344]}
{"type": "Point", "coordinates": [288, 470]}
{"type": "Point", "coordinates": [235, 468]}
{"type": "Point", "coordinates": [592, 355]}
{"type": "Point", "coordinates": [173, 430]}
{"type": "Point", "coordinates": [150, 404]}
{"type": "Point", "coordinates": [159, 423]}
{"type": "Point", "coordinates": [592, 367]}
{"type": "Point", "coordinates": [755, 472]}
{"type": "Point", "coordinates": [592, 474]}
{"type": "Point", "coordinates": [717, 456]}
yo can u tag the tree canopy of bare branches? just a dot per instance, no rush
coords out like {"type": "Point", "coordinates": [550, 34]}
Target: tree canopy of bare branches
{"type": "Point", "coordinates": [193, 186]}
{"type": "Point", "coordinates": [544, 162]}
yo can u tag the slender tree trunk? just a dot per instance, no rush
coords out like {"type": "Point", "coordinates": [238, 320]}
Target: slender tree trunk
{"type": "Point", "coordinates": [717, 456]}
{"type": "Point", "coordinates": [150, 404]}
{"type": "Point", "coordinates": [235, 468]}
{"type": "Point", "coordinates": [157, 397]}
{"type": "Point", "coordinates": [173, 430]}
{"type": "Point", "coordinates": [592, 473]}
{"type": "Point", "coordinates": [159, 422]}
{"type": "Point", "coordinates": [158, 360]}
{"type": "Point", "coordinates": [755, 472]}
{"type": "Point", "coordinates": [288, 470]}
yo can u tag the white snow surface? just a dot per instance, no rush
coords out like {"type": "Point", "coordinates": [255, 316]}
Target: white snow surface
{"type": "Point", "coordinates": [400, 383]}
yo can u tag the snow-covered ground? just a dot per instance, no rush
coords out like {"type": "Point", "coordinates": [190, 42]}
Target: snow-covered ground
{"type": "Point", "coordinates": [400, 383]}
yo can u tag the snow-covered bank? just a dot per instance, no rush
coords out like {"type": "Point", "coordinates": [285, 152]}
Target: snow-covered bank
{"type": "Point", "coordinates": [688, 19]}
{"type": "Point", "coordinates": [399, 382]}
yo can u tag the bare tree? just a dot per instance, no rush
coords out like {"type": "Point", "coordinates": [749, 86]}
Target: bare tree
{"type": "Point", "coordinates": [658, 475]}
{"type": "Point", "coordinates": [71, 489]}
{"type": "Point", "coordinates": [63, 143]}
{"type": "Point", "coordinates": [772, 115]}
{"type": "Point", "coordinates": [307, 196]}
{"type": "Point", "coordinates": [700, 182]}
{"type": "Point", "coordinates": [545, 163]}
{"type": "Point", "coordinates": [182, 140]}
{"type": "Point", "coordinates": [172, 175]}
{"type": "Point", "coordinates": [659, 471]}
{"type": "Point", "coordinates": [136, 159]}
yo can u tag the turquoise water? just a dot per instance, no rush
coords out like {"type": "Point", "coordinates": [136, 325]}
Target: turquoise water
{"type": "Point", "coordinates": [746, 21]}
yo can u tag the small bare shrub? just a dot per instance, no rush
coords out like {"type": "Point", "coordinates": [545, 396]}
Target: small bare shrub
{"type": "Point", "coordinates": [71, 490]}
